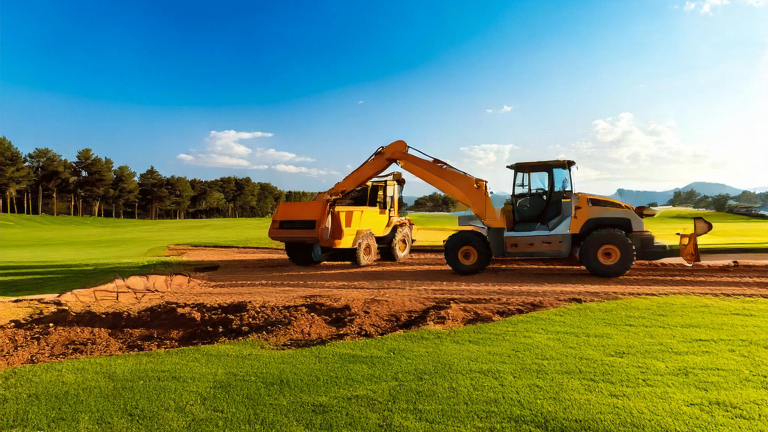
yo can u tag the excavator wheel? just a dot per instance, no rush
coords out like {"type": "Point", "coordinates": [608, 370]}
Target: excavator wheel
{"type": "Point", "coordinates": [607, 252]}
{"type": "Point", "coordinates": [365, 254]}
{"type": "Point", "coordinates": [467, 253]}
{"type": "Point", "coordinates": [301, 254]}
{"type": "Point", "coordinates": [400, 247]}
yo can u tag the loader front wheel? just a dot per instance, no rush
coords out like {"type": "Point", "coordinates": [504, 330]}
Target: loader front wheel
{"type": "Point", "coordinates": [400, 247]}
{"type": "Point", "coordinates": [467, 253]}
{"type": "Point", "coordinates": [365, 254]}
{"type": "Point", "coordinates": [301, 254]}
{"type": "Point", "coordinates": [607, 253]}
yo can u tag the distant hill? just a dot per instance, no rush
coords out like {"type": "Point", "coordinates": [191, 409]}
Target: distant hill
{"type": "Point", "coordinates": [638, 198]}
{"type": "Point", "coordinates": [409, 199]}
{"type": "Point", "coordinates": [499, 198]}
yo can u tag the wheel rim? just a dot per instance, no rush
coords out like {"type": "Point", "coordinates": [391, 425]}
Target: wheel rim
{"type": "Point", "coordinates": [608, 254]}
{"type": "Point", "coordinates": [468, 255]}
{"type": "Point", "coordinates": [402, 245]}
{"type": "Point", "coordinates": [367, 252]}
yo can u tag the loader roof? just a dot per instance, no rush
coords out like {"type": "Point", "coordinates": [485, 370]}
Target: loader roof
{"type": "Point", "coordinates": [536, 166]}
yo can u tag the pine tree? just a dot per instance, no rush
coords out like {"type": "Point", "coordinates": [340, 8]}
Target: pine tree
{"type": "Point", "coordinates": [14, 174]}
{"type": "Point", "coordinates": [50, 173]}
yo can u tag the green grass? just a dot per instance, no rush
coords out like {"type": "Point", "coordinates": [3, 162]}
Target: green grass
{"type": "Point", "coordinates": [674, 363]}
{"type": "Point", "coordinates": [438, 221]}
{"type": "Point", "coordinates": [729, 230]}
{"type": "Point", "coordinates": [45, 254]}
{"type": "Point", "coordinates": [431, 229]}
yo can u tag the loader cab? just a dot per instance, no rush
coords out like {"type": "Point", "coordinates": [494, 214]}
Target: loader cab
{"type": "Point", "coordinates": [541, 195]}
{"type": "Point", "coordinates": [381, 192]}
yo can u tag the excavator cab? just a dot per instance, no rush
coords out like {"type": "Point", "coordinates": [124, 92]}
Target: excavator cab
{"type": "Point", "coordinates": [541, 195]}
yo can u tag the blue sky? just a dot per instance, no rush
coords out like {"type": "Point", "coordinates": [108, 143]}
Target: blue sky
{"type": "Point", "coordinates": [643, 94]}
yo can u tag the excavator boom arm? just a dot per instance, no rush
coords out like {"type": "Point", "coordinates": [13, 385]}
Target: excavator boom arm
{"type": "Point", "coordinates": [468, 190]}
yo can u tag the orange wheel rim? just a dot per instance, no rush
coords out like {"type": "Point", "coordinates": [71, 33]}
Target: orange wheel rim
{"type": "Point", "coordinates": [608, 254]}
{"type": "Point", "coordinates": [468, 255]}
{"type": "Point", "coordinates": [367, 251]}
{"type": "Point", "coordinates": [402, 245]}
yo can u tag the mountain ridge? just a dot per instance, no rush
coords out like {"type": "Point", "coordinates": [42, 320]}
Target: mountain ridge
{"type": "Point", "coordinates": [639, 197]}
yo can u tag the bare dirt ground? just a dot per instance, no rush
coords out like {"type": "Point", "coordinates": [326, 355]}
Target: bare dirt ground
{"type": "Point", "coordinates": [259, 294]}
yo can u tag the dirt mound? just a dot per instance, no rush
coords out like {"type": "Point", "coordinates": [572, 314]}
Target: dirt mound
{"type": "Point", "coordinates": [125, 293]}
{"type": "Point", "coordinates": [64, 334]}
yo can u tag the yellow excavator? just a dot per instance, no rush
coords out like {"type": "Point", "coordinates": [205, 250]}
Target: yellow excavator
{"type": "Point", "coordinates": [358, 217]}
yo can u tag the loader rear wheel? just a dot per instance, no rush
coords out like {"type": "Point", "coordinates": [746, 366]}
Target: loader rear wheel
{"type": "Point", "coordinates": [400, 247]}
{"type": "Point", "coordinates": [365, 254]}
{"type": "Point", "coordinates": [301, 254]}
{"type": "Point", "coordinates": [467, 253]}
{"type": "Point", "coordinates": [607, 253]}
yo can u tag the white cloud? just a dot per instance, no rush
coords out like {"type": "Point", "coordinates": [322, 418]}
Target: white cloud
{"type": "Point", "coordinates": [359, 102]}
{"type": "Point", "coordinates": [282, 156]}
{"type": "Point", "coordinates": [225, 150]}
{"type": "Point", "coordinates": [706, 7]}
{"type": "Point", "coordinates": [293, 169]}
{"type": "Point", "coordinates": [228, 142]}
{"type": "Point", "coordinates": [502, 110]}
{"type": "Point", "coordinates": [488, 154]}
{"type": "Point", "coordinates": [214, 160]}
{"type": "Point", "coordinates": [629, 153]}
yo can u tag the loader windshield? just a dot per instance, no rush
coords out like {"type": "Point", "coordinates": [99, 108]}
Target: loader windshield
{"type": "Point", "coordinates": [356, 197]}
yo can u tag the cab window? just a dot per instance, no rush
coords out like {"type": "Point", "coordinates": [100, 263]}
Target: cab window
{"type": "Point", "coordinates": [562, 180]}
{"type": "Point", "coordinates": [539, 182]}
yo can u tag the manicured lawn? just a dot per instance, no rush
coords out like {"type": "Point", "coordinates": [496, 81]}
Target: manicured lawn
{"type": "Point", "coordinates": [431, 229]}
{"type": "Point", "coordinates": [45, 254]}
{"type": "Point", "coordinates": [674, 363]}
{"type": "Point", "coordinates": [729, 230]}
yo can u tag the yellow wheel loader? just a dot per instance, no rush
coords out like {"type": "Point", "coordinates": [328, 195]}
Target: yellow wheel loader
{"type": "Point", "coordinates": [546, 219]}
{"type": "Point", "coordinates": [350, 222]}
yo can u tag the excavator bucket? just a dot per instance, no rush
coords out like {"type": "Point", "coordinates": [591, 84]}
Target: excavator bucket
{"type": "Point", "coordinates": [689, 247]}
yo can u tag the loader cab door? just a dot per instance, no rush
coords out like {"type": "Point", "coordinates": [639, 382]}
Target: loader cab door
{"type": "Point", "coordinates": [379, 197]}
{"type": "Point", "coordinates": [530, 195]}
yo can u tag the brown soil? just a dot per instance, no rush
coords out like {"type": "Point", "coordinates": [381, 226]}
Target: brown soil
{"type": "Point", "coordinates": [259, 294]}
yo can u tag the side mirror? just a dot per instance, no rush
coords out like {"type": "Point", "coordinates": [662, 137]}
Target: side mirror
{"type": "Point", "coordinates": [701, 226]}
{"type": "Point", "coordinates": [644, 211]}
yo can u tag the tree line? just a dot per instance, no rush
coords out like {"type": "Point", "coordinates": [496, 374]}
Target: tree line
{"type": "Point", "coordinates": [720, 202]}
{"type": "Point", "coordinates": [434, 202]}
{"type": "Point", "coordinates": [44, 182]}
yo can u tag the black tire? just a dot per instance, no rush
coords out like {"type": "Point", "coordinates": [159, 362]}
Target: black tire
{"type": "Point", "coordinates": [301, 254]}
{"type": "Point", "coordinates": [365, 253]}
{"type": "Point", "coordinates": [467, 252]}
{"type": "Point", "coordinates": [607, 252]}
{"type": "Point", "coordinates": [400, 247]}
